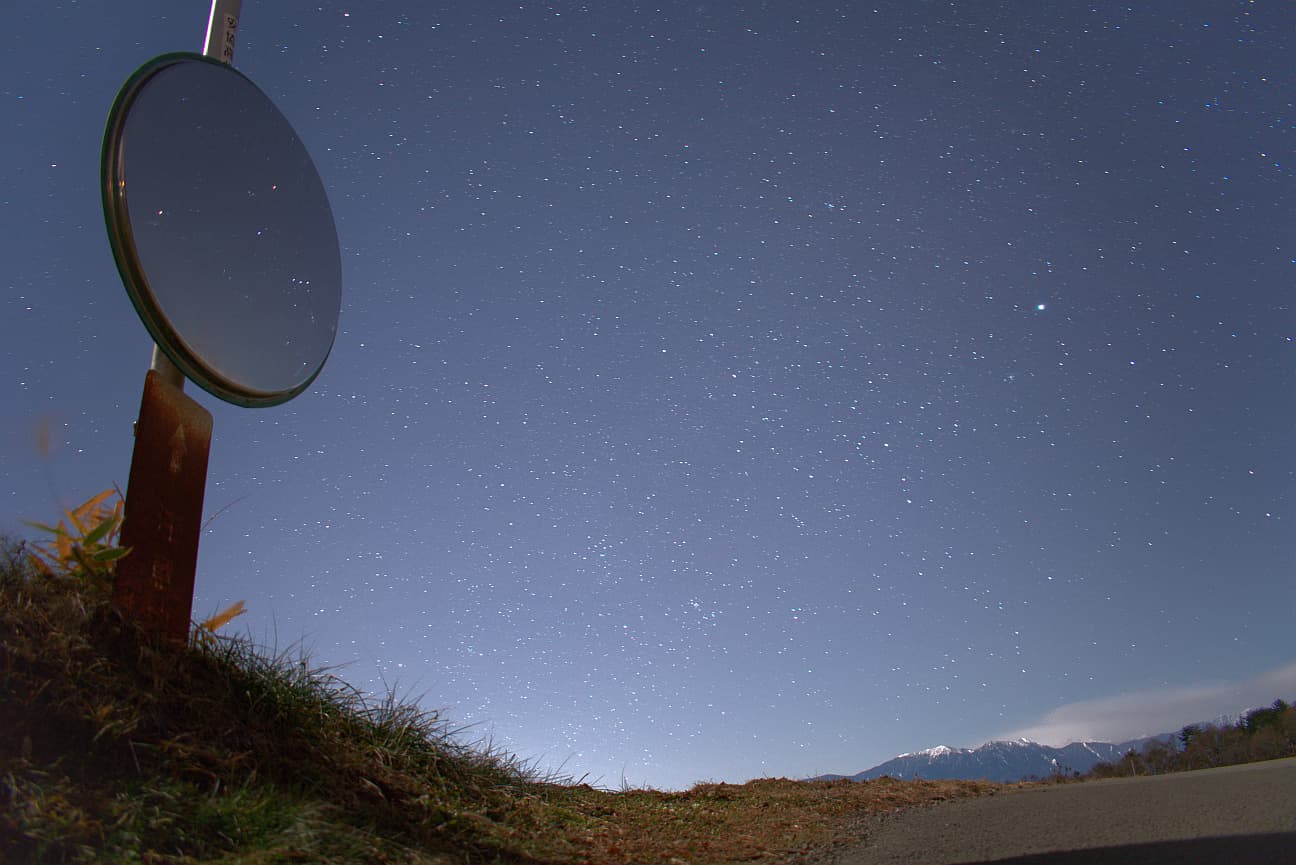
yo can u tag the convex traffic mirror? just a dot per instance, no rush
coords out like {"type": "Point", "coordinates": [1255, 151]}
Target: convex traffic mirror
{"type": "Point", "coordinates": [221, 230]}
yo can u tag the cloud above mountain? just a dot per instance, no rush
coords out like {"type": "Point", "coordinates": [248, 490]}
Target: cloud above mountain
{"type": "Point", "coordinates": [1128, 716]}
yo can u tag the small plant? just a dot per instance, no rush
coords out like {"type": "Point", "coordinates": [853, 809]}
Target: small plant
{"type": "Point", "coordinates": [85, 544]}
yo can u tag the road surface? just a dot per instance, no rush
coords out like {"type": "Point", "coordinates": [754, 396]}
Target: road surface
{"type": "Point", "coordinates": [1237, 815]}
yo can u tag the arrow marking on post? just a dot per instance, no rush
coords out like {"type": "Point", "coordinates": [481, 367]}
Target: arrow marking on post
{"type": "Point", "coordinates": [177, 450]}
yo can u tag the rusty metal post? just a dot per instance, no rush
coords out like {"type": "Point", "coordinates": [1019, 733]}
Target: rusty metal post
{"type": "Point", "coordinates": [163, 514]}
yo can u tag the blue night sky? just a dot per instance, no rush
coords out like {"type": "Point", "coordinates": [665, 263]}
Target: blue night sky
{"type": "Point", "coordinates": [727, 390]}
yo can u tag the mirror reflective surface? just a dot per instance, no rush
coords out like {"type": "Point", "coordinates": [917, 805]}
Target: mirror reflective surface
{"type": "Point", "coordinates": [221, 229]}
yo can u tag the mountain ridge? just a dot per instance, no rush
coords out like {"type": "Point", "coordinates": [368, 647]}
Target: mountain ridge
{"type": "Point", "coordinates": [1004, 760]}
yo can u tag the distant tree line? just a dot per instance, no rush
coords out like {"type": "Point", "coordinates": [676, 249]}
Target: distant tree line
{"type": "Point", "coordinates": [1261, 734]}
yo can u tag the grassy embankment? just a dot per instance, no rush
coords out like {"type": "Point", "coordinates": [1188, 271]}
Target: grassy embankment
{"type": "Point", "coordinates": [116, 750]}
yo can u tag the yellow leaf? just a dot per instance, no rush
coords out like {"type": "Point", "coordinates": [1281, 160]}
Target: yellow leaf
{"type": "Point", "coordinates": [88, 515]}
{"type": "Point", "coordinates": [222, 618]}
{"type": "Point", "coordinates": [63, 543]}
{"type": "Point", "coordinates": [97, 500]}
{"type": "Point", "coordinates": [76, 520]}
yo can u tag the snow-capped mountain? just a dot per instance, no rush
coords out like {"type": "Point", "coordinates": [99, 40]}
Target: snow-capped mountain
{"type": "Point", "coordinates": [997, 761]}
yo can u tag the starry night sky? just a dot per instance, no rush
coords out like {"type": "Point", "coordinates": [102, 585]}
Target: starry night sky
{"type": "Point", "coordinates": [727, 390]}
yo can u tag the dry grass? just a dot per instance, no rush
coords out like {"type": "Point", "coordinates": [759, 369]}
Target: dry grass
{"type": "Point", "coordinates": [770, 820]}
{"type": "Point", "coordinates": [117, 750]}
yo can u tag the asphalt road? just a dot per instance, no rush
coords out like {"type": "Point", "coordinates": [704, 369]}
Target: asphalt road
{"type": "Point", "coordinates": [1237, 815]}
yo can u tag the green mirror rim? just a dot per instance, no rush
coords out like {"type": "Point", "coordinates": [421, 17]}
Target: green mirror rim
{"type": "Point", "coordinates": [126, 255]}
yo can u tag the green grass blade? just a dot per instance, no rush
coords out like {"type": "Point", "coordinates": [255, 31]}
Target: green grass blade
{"type": "Point", "coordinates": [111, 554]}
{"type": "Point", "coordinates": [97, 533]}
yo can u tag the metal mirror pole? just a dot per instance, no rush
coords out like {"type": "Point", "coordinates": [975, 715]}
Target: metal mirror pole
{"type": "Point", "coordinates": [168, 475]}
{"type": "Point", "coordinates": [222, 29]}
